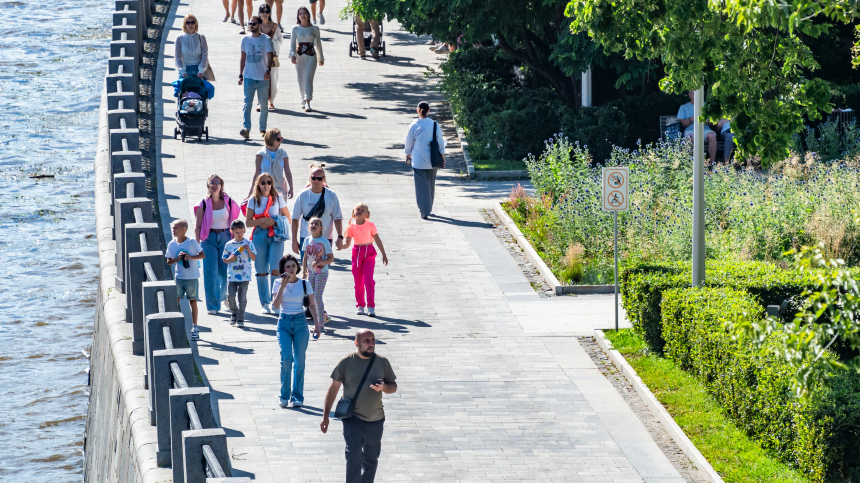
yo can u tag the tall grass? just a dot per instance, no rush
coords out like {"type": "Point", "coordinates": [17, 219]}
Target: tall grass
{"type": "Point", "coordinates": [748, 214]}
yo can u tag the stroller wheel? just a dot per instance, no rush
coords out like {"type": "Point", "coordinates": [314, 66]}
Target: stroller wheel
{"type": "Point", "coordinates": [383, 48]}
{"type": "Point", "coordinates": [207, 133]}
{"type": "Point", "coordinates": [350, 49]}
{"type": "Point", "coordinates": [183, 136]}
{"type": "Point", "coordinates": [175, 132]}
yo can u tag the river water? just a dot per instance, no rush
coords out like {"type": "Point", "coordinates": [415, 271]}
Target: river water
{"type": "Point", "coordinates": [52, 61]}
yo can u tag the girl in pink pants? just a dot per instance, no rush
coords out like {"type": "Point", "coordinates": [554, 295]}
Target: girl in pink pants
{"type": "Point", "coordinates": [364, 233]}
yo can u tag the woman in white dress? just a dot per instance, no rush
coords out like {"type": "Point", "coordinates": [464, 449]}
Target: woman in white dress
{"type": "Point", "coordinates": [190, 51]}
{"type": "Point", "coordinates": [305, 51]}
{"type": "Point", "coordinates": [273, 30]}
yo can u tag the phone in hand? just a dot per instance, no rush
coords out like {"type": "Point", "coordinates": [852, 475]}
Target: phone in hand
{"type": "Point", "coordinates": [379, 381]}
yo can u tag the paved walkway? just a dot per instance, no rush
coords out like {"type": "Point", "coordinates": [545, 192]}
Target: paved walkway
{"type": "Point", "coordinates": [492, 383]}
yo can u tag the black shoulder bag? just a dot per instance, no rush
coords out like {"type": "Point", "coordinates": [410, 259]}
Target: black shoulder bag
{"type": "Point", "coordinates": [305, 301]}
{"type": "Point", "coordinates": [346, 405]}
{"type": "Point", "coordinates": [318, 209]}
{"type": "Point", "coordinates": [436, 159]}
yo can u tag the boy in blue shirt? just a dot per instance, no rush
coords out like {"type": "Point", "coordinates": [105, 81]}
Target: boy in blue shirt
{"type": "Point", "coordinates": [238, 255]}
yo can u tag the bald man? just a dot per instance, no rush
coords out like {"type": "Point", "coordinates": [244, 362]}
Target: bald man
{"type": "Point", "coordinates": [363, 431]}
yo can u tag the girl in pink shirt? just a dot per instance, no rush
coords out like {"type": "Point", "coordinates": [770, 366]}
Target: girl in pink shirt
{"type": "Point", "coordinates": [364, 233]}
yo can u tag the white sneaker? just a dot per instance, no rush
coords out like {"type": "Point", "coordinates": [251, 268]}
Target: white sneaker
{"type": "Point", "coordinates": [371, 312]}
{"type": "Point", "coordinates": [360, 311]}
{"type": "Point", "coordinates": [322, 19]}
{"type": "Point", "coordinates": [303, 104]}
{"type": "Point", "coordinates": [195, 334]}
{"type": "Point", "coordinates": [212, 312]}
{"type": "Point", "coordinates": [315, 22]}
{"type": "Point", "coordinates": [283, 402]}
{"type": "Point", "coordinates": [267, 309]}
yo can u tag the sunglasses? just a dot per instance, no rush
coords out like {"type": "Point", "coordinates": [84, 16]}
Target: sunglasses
{"type": "Point", "coordinates": [265, 11]}
{"type": "Point", "coordinates": [214, 182]}
{"type": "Point", "coordinates": [190, 22]}
{"type": "Point", "coordinates": [265, 183]}
{"type": "Point", "coordinates": [252, 24]}
{"type": "Point", "coordinates": [279, 139]}
{"type": "Point", "coordinates": [317, 178]}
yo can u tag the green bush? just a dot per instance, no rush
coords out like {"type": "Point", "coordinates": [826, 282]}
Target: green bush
{"type": "Point", "coordinates": [817, 435]}
{"type": "Point", "coordinates": [643, 115]}
{"type": "Point", "coordinates": [642, 289]}
{"type": "Point", "coordinates": [506, 117]}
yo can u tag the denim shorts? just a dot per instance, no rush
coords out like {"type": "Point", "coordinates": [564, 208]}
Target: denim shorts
{"type": "Point", "coordinates": [187, 288]}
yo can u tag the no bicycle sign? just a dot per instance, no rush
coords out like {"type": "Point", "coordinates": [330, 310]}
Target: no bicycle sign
{"type": "Point", "coordinates": [615, 189]}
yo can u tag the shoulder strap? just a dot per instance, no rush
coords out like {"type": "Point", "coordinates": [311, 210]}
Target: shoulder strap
{"type": "Point", "coordinates": [361, 384]}
{"type": "Point", "coordinates": [434, 131]}
{"type": "Point", "coordinates": [304, 287]}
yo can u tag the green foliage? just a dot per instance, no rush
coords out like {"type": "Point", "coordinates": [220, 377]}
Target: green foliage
{"type": "Point", "coordinates": [831, 143]}
{"type": "Point", "coordinates": [755, 77]}
{"type": "Point", "coordinates": [829, 312]}
{"type": "Point", "coordinates": [817, 434]}
{"type": "Point", "coordinates": [845, 96]}
{"type": "Point", "coordinates": [733, 454]}
{"type": "Point", "coordinates": [643, 288]}
{"type": "Point", "coordinates": [643, 115]}
{"type": "Point", "coordinates": [508, 119]}
{"type": "Point", "coordinates": [748, 215]}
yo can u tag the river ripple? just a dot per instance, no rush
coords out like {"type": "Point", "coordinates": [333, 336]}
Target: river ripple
{"type": "Point", "coordinates": [52, 62]}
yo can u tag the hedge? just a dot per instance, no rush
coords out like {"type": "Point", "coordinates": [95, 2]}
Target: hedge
{"type": "Point", "coordinates": [819, 436]}
{"type": "Point", "coordinates": [642, 287]}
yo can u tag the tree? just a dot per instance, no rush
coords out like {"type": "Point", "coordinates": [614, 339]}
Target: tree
{"type": "Point", "coordinates": [754, 75]}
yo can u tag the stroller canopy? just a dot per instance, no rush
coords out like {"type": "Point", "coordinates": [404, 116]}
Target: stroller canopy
{"type": "Point", "coordinates": [194, 84]}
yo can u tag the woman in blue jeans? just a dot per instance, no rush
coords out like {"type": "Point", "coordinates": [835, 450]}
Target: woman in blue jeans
{"type": "Point", "coordinates": [214, 214]}
{"type": "Point", "coordinates": [263, 206]}
{"type": "Point", "coordinates": [293, 331]}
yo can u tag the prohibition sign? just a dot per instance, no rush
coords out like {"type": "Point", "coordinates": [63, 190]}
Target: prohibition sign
{"type": "Point", "coordinates": [615, 179]}
{"type": "Point", "coordinates": [615, 199]}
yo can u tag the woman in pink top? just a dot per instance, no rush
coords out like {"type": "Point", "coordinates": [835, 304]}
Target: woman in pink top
{"type": "Point", "coordinates": [213, 217]}
{"type": "Point", "coordinates": [363, 231]}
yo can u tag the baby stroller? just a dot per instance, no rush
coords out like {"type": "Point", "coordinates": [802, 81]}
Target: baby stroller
{"type": "Point", "coordinates": [191, 109]}
{"type": "Point", "coordinates": [367, 37]}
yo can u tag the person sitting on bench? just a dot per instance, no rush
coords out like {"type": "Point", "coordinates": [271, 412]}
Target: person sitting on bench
{"type": "Point", "coordinates": [687, 118]}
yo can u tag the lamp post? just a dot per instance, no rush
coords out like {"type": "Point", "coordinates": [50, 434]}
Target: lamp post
{"type": "Point", "coordinates": [698, 190]}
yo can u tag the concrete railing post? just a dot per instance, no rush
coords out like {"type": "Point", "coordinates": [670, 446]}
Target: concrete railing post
{"type": "Point", "coordinates": [120, 185]}
{"type": "Point", "coordinates": [192, 450]}
{"type": "Point", "coordinates": [179, 422]}
{"type": "Point", "coordinates": [132, 244]}
{"type": "Point", "coordinates": [136, 273]}
{"type": "Point", "coordinates": [123, 214]}
{"type": "Point", "coordinates": [162, 382]}
{"type": "Point", "coordinates": [154, 341]}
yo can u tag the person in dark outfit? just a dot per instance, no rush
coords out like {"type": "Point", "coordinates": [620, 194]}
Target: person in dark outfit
{"type": "Point", "coordinates": [363, 431]}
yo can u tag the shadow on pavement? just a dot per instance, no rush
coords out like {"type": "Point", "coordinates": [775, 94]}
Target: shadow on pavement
{"type": "Point", "coordinates": [454, 221]}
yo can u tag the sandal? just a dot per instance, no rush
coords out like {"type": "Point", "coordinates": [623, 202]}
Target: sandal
{"type": "Point", "coordinates": [258, 108]}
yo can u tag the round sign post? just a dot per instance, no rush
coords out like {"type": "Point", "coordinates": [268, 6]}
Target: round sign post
{"type": "Point", "coordinates": [615, 196]}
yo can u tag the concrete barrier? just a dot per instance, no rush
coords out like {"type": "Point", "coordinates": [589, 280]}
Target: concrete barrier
{"type": "Point", "coordinates": [141, 367]}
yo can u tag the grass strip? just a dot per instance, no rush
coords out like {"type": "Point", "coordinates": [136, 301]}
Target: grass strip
{"type": "Point", "coordinates": [498, 165]}
{"type": "Point", "coordinates": [732, 453]}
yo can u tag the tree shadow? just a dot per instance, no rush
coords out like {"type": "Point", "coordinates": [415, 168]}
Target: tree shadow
{"type": "Point", "coordinates": [387, 165]}
{"type": "Point", "coordinates": [317, 114]}
{"type": "Point", "coordinates": [225, 348]}
{"type": "Point", "coordinates": [302, 143]}
{"type": "Point", "coordinates": [456, 222]}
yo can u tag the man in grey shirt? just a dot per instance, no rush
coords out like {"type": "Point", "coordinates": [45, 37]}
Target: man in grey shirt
{"type": "Point", "coordinates": [363, 431]}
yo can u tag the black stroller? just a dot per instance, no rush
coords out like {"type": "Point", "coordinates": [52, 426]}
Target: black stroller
{"type": "Point", "coordinates": [192, 109]}
{"type": "Point", "coordinates": [367, 37]}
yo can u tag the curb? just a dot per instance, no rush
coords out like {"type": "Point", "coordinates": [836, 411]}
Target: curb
{"type": "Point", "coordinates": [695, 456]}
{"type": "Point", "coordinates": [464, 145]}
{"type": "Point", "coordinates": [544, 270]}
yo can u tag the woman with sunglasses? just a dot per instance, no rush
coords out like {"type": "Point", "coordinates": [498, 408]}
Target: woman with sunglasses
{"type": "Point", "coordinates": [214, 214]}
{"type": "Point", "coordinates": [263, 206]}
{"type": "Point", "coordinates": [305, 52]}
{"type": "Point", "coordinates": [191, 52]}
{"type": "Point", "coordinates": [273, 30]}
{"type": "Point", "coordinates": [273, 159]}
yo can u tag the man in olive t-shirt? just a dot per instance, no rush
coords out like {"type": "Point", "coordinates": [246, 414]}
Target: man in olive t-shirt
{"type": "Point", "coordinates": [363, 431]}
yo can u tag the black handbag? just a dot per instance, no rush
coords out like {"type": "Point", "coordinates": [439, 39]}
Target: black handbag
{"type": "Point", "coordinates": [318, 209]}
{"type": "Point", "coordinates": [436, 159]}
{"type": "Point", "coordinates": [305, 301]}
{"type": "Point", "coordinates": [346, 405]}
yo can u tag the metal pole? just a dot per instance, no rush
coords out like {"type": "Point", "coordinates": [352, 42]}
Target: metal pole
{"type": "Point", "coordinates": [698, 190]}
{"type": "Point", "coordinates": [615, 229]}
{"type": "Point", "coordinates": [586, 88]}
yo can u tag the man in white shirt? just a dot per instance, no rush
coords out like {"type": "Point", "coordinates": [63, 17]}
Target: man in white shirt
{"type": "Point", "coordinates": [255, 66]}
{"type": "Point", "coordinates": [304, 210]}
{"type": "Point", "coordinates": [687, 118]}
{"type": "Point", "coordinates": [417, 149]}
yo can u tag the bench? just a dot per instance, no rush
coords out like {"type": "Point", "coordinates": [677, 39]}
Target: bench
{"type": "Point", "coordinates": [663, 120]}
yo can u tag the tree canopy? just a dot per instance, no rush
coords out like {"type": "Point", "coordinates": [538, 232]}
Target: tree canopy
{"type": "Point", "coordinates": [754, 74]}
